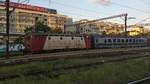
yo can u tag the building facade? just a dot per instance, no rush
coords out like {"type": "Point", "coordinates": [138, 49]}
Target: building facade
{"type": "Point", "coordinates": [27, 15]}
{"type": "Point", "coordinates": [98, 27]}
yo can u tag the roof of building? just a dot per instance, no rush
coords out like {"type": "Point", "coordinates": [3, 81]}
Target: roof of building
{"type": "Point", "coordinates": [29, 7]}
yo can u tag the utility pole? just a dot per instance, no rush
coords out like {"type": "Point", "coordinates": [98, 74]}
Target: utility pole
{"type": "Point", "coordinates": [126, 17]}
{"type": "Point", "coordinates": [7, 27]}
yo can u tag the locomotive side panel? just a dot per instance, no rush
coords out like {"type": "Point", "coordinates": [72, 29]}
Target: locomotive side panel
{"type": "Point", "coordinates": [37, 43]}
{"type": "Point", "coordinates": [88, 43]}
{"type": "Point", "coordinates": [64, 42]}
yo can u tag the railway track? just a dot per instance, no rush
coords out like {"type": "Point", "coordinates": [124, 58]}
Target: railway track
{"type": "Point", "coordinates": [73, 54]}
{"type": "Point", "coordinates": [56, 71]}
{"type": "Point", "coordinates": [141, 81]}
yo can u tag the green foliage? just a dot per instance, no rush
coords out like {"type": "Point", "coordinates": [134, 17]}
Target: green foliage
{"type": "Point", "coordinates": [57, 30]}
{"type": "Point", "coordinates": [28, 30]}
{"type": "Point", "coordinates": [41, 27]}
{"type": "Point", "coordinates": [19, 40]}
{"type": "Point", "coordinates": [38, 27]}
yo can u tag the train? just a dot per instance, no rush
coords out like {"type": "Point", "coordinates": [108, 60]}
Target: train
{"type": "Point", "coordinates": [37, 42]}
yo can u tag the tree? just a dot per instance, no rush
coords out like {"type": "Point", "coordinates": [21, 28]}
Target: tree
{"type": "Point", "coordinates": [28, 30]}
{"type": "Point", "coordinates": [19, 40]}
{"type": "Point", "coordinates": [104, 33]}
{"type": "Point", "coordinates": [38, 27]}
{"type": "Point", "coordinates": [41, 27]}
{"type": "Point", "coordinates": [57, 30]}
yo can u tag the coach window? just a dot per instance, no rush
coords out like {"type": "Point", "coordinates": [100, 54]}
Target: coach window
{"type": "Point", "coordinates": [105, 41]}
{"type": "Point", "coordinates": [134, 40]}
{"type": "Point", "coordinates": [142, 40]}
{"type": "Point", "coordinates": [109, 40]}
{"type": "Point", "coordinates": [118, 40]}
{"type": "Point", "coordinates": [122, 40]}
{"type": "Point", "coordinates": [127, 40]}
{"type": "Point", "coordinates": [137, 40]}
{"type": "Point", "coordinates": [130, 40]}
{"type": "Point", "coordinates": [96, 40]}
{"type": "Point", "coordinates": [81, 38]}
{"type": "Point", "coordinates": [114, 40]}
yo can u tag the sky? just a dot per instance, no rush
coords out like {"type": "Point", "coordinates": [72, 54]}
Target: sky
{"type": "Point", "coordinates": [95, 9]}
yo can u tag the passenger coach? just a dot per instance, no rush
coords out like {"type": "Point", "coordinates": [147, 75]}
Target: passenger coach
{"type": "Point", "coordinates": [118, 42]}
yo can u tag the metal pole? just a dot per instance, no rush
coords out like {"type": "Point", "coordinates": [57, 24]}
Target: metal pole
{"type": "Point", "coordinates": [126, 25]}
{"type": "Point", "coordinates": [7, 28]}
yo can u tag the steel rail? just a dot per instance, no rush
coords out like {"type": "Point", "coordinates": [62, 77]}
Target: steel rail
{"type": "Point", "coordinates": [140, 81]}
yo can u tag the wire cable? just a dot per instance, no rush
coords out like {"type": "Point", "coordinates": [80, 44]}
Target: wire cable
{"type": "Point", "coordinates": [126, 6]}
{"type": "Point", "coordinates": [87, 10]}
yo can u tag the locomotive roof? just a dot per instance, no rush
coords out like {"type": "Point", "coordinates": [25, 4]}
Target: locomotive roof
{"type": "Point", "coordinates": [55, 34]}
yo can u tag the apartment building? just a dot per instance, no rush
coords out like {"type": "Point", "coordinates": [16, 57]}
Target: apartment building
{"type": "Point", "coordinates": [27, 15]}
{"type": "Point", "coordinates": [98, 27]}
